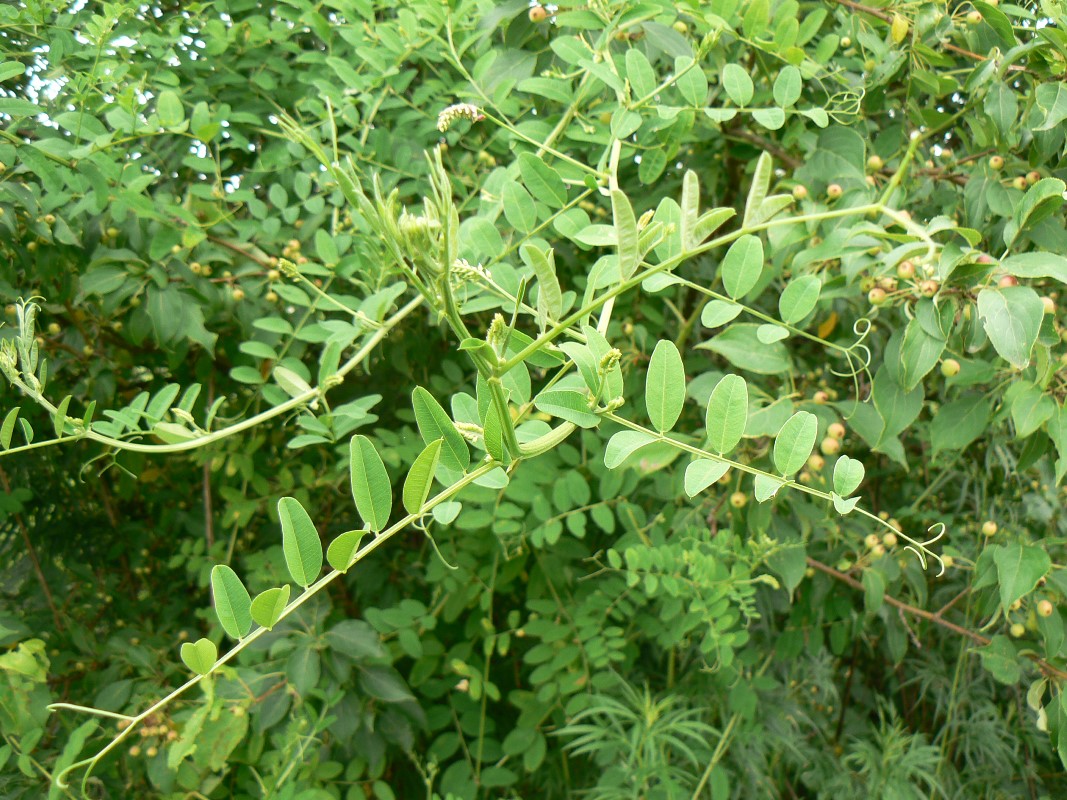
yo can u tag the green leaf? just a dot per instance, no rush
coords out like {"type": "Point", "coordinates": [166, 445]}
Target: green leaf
{"type": "Point", "coordinates": [959, 423]}
{"type": "Point", "coordinates": [787, 86]}
{"type": "Point", "coordinates": [341, 550]}
{"type": "Point", "coordinates": [798, 299]}
{"type": "Point", "coordinates": [623, 444]}
{"type": "Point", "coordinates": [172, 432]}
{"type": "Point", "coordinates": [848, 475]}
{"type": "Point", "coordinates": [1031, 409]}
{"type": "Point", "coordinates": [764, 487]}
{"type": "Point", "coordinates": [1036, 265]}
{"type": "Point", "coordinates": [232, 603]}
{"type": "Point", "coordinates": [626, 232]}
{"type": "Point", "coordinates": [544, 267]}
{"type": "Point", "coordinates": [1040, 202]}
{"type": "Point", "coordinates": [1052, 99]}
{"type": "Point", "coordinates": [292, 383]}
{"type": "Point", "coordinates": [519, 207]}
{"type": "Point", "coordinates": [300, 542]}
{"type": "Point", "coordinates": [640, 74]}
{"type": "Point", "coordinates": [718, 312]}
{"type": "Point", "coordinates": [434, 424]}
{"type": "Point", "coordinates": [1011, 318]}
{"type": "Point", "coordinates": [8, 427]}
{"type": "Point", "coordinates": [738, 84]}
{"type": "Point", "coordinates": [1019, 568]}
{"type": "Point", "coordinates": [665, 386]}
{"type": "Point", "coordinates": [200, 656]}
{"type": "Point", "coordinates": [544, 183]}
{"type": "Point", "coordinates": [170, 109]}
{"type": "Point", "coordinates": [690, 207]}
{"type": "Point", "coordinates": [743, 265]}
{"type": "Point", "coordinates": [795, 441]}
{"type": "Point", "coordinates": [842, 505]}
{"type": "Point", "coordinates": [420, 476]}
{"type": "Point", "coordinates": [769, 334]}
{"type": "Point", "coordinates": [59, 418]}
{"type": "Point", "coordinates": [691, 81]}
{"type": "Point", "coordinates": [727, 414]}
{"type": "Point", "coordinates": [919, 353]}
{"type": "Point", "coordinates": [757, 192]}
{"type": "Point", "coordinates": [370, 483]}
{"type": "Point", "coordinates": [709, 222]}
{"type": "Point", "coordinates": [702, 473]}
{"type": "Point", "coordinates": [1000, 660]}
{"type": "Point", "coordinates": [268, 606]}
{"type": "Point", "coordinates": [740, 345]}
{"type": "Point", "coordinates": [571, 406]}
{"type": "Point", "coordinates": [11, 69]}
{"type": "Point", "coordinates": [770, 118]}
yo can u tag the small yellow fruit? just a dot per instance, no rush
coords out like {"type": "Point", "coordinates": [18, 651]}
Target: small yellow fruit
{"type": "Point", "coordinates": [1049, 304]}
{"type": "Point", "coordinates": [974, 17]}
{"type": "Point", "coordinates": [929, 288]}
{"type": "Point", "coordinates": [1019, 183]}
{"type": "Point", "coordinates": [816, 462]}
{"type": "Point", "coordinates": [273, 275]}
{"type": "Point", "coordinates": [996, 162]}
{"type": "Point", "coordinates": [800, 191]}
{"type": "Point", "coordinates": [538, 14]}
{"type": "Point", "coordinates": [829, 446]}
{"type": "Point", "coordinates": [875, 162]}
{"type": "Point", "coordinates": [738, 499]}
{"type": "Point", "coordinates": [1018, 630]}
{"type": "Point", "coordinates": [890, 539]}
{"type": "Point", "coordinates": [877, 296]}
{"type": "Point", "coordinates": [948, 561]}
{"type": "Point", "coordinates": [836, 431]}
{"type": "Point", "coordinates": [238, 294]}
{"type": "Point", "coordinates": [950, 367]}
{"type": "Point", "coordinates": [1007, 280]}
{"type": "Point", "coordinates": [53, 328]}
{"type": "Point", "coordinates": [681, 27]}
{"type": "Point", "coordinates": [906, 270]}
{"type": "Point", "coordinates": [834, 191]}
{"type": "Point", "coordinates": [820, 398]}
{"type": "Point", "coordinates": [49, 218]}
{"type": "Point", "coordinates": [271, 297]}
{"type": "Point", "coordinates": [1045, 608]}
{"type": "Point", "coordinates": [846, 41]}
{"type": "Point", "coordinates": [1033, 177]}
{"type": "Point", "coordinates": [135, 751]}
{"type": "Point", "coordinates": [152, 752]}
{"type": "Point", "coordinates": [871, 540]}
{"type": "Point", "coordinates": [989, 528]}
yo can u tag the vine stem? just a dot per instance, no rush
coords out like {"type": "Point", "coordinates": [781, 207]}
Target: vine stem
{"type": "Point", "coordinates": [298, 601]}
{"type": "Point", "coordinates": [201, 441]}
{"type": "Point", "coordinates": [936, 618]}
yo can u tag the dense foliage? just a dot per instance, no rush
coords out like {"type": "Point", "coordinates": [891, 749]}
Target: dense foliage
{"type": "Point", "coordinates": [675, 391]}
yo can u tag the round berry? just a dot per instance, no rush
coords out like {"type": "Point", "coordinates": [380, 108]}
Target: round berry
{"type": "Point", "coordinates": [538, 14]}
{"type": "Point", "coordinates": [836, 430]}
{"type": "Point", "coordinates": [1045, 608]}
{"type": "Point", "coordinates": [871, 540]}
{"type": "Point", "coordinates": [875, 163]}
{"type": "Point", "coordinates": [816, 462]}
{"type": "Point", "coordinates": [238, 294]}
{"type": "Point", "coordinates": [950, 367]}
{"type": "Point", "coordinates": [820, 398]}
{"type": "Point", "coordinates": [738, 499]}
{"type": "Point", "coordinates": [1033, 177]}
{"type": "Point", "coordinates": [989, 527]}
{"type": "Point", "coordinates": [1019, 183]}
{"type": "Point", "coordinates": [876, 296]}
{"type": "Point", "coordinates": [834, 191]}
{"type": "Point", "coordinates": [1049, 304]}
{"type": "Point", "coordinates": [906, 270]}
{"type": "Point", "coordinates": [800, 191]}
{"type": "Point", "coordinates": [830, 446]}
{"type": "Point", "coordinates": [996, 162]}
{"type": "Point", "coordinates": [929, 288]}
{"type": "Point", "coordinates": [890, 539]}
{"type": "Point", "coordinates": [974, 17]}
{"type": "Point", "coordinates": [1007, 280]}
{"type": "Point", "coordinates": [1018, 630]}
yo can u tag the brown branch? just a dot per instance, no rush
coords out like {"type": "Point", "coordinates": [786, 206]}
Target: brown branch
{"type": "Point", "coordinates": [874, 12]}
{"type": "Point", "coordinates": [765, 144]}
{"type": "Point", "coordinates": [33, 556]}
{"type": "Point", "coordinates": [1047, 668]}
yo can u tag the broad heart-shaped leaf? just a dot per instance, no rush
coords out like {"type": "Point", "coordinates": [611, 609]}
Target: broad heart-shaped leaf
{"type": "Point", "coordinates": [1019, 568]}
{"type": "Point", "coordinates": [794, 442]}
{"type": "Point", "coordinates": [200, 656]}
{"type": "Point", "coordinates": [727, 413]}
{"type": "Point", "coordinates": [300, 542]}
{"type": "Point", "coordinates": [434, 424]}
{"type": "Point", "coordinates": [743, 265]}
{"type": "Point", "coordinates": [1011, 317]}
{"type": "Point", "coordinates": [232, 602]}
{"type": "Point", "coordinates": [622, 444]}
{"type": "Point", "coordinates": [665, 386]}
{"type": "Point", "coordinates": [269, 605]}
{"type": "Point", "coordinates": [703, 472]}
{"type": "Point", "coordinates": [370, 483]}
{"type": "Point", "coordinates": [798, 299]}
{"type": "Point", "coordinates": [341, 550]}
{"type": "Point", "coordinates": [626, 232]}
{"type": "Point", "coordinates": [848, 475]}
{"type": "Point", "coordinates": [420, 477]}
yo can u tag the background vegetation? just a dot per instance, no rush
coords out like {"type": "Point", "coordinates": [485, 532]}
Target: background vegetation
{"type": "Point", "coordinates": [179, 189]}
